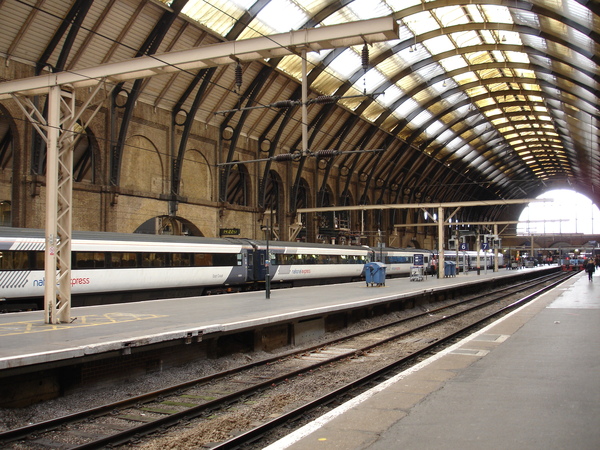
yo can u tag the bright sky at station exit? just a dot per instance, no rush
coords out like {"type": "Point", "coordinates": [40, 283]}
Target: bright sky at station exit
{"type": "Point", "coordinates": [578, 214]}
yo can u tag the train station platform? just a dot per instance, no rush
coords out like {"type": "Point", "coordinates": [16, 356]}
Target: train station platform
{"type": "Point", "coordinates": [39, 360]}
{"type": "Point", "coordinates": [528, 381]}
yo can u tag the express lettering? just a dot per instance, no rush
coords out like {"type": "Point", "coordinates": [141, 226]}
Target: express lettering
{"type": "Point", "coordinates": [75, 281]}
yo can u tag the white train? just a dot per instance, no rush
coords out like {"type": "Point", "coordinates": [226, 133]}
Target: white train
{"type": "Point", "coordinates": [468, 259]}
{"type": "Point", "coordinates": [112, 267]}
{"type": "Point", "coordinates": [399, 261]}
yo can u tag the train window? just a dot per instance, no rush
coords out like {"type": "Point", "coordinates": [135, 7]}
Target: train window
{"type": "Point", "coordinates": [181, 260]}
{"type": "Point", "coordinates": [202, 260]}
{"type": "Point", "coordinates": [123, 259]}
{"type": "Point", "coordinates": [154, 259]}
{"type": "Point", "coordinates": [89, 260]}
{"type": "Point", "coordinates": [39, 260]}
{"type": "Point", "coordinates": [225, 259]}
{"type": "Point", "coordinates": [14, 260]}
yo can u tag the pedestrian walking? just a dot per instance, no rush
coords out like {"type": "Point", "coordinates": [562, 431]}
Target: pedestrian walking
{"type": "Point", "coordinates": [590, 268]}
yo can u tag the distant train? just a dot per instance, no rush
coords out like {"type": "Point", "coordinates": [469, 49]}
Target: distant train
{"type": "Point", "coordinates": [112, 267]}
{"type": "Point", "coordinates": [469, 259]}
{"type": "Point", "coordinates": [398, 261]}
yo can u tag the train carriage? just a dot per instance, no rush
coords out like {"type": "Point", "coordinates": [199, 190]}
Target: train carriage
{"type": "Point", "coordinates": [112, 262]}
{"type": "Point", "coordinates": [299, 263]}
{"type": "Point", "coordinates": [399, 261]}
{"type": "Point", "coordinates": [113, 267]}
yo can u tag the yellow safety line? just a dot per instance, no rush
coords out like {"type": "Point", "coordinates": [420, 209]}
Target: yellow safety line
{"type": "Point", "coordinates": [38, 326]}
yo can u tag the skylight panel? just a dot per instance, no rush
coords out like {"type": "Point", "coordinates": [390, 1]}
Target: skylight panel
{"type": "Point", "coordinates": [399, 5]}
{"type": "Point", "coordinates": [434, 128]}
{"type": "Point", "coordinates": [458, 145]}
{"type": "Point", "coordinates": [317, 57]}
{"type": "Point", "coordinates": [219, 15]}
{"type": "Point", "coordinates": [369, 9]}
{"type": "Point", "coordinates": [421, 22]}
{"type": "Point", "coordinates": [517, 57]}
{"type": "Point", "coordinates": [453, 63]}
{"type": "Point", "coordinates": [499, 14]}
{"type": "Point", "coordinates": [370, 81]}
{"type": "Point", "coordinates": [439, 44]}
{"type": "Point", "coordinates": [451, 15]}
{"type": "Point", "coordinates": [475, 13]}
{"type": "Point", "coordinates": [407, 107]}
{"type": "Point", "coordinates": [346, 64]}
{"type": "Point", "coordinates": [282, 16]}
{"type": "Point", "coordinates": [446, 135]}
{"type": "Point", "coordinates": [429, 71]}
{"type": "Point", "coordinates": [466, 38]}
{"type": "Point", "coordinates": [421, 118]}
{"type": "Point", "coordinates": [390, 95]}
{"type": "Point", "coordinates": [243, 4]}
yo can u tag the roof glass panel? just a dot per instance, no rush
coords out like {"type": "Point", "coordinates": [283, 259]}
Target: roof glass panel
{"type": "Point", "coordinates": [282, 15]}
{"type": "Point", "coordinates": [434, 128]}
{"type": "Point", "coordinates": [390, 95]}
{"type": "Point", "coordinates": [421, 22]}
{"type": "Point", "coordinates": [369, 9]}
{"type": "Point", "coordinates": [453, 63]}
{"type": "Point", "coordinates": [370, 81]}
{"type": "Point", "coordinates": [439, 44]}
{"type": "Point", "coordinates": [347, 63]}
{"type": "Point", "coordinates": [451, 15]}
{"type": "Point", "coordinates": [407, 107]}
{"type": "Point", "coordinates": [218, 15]}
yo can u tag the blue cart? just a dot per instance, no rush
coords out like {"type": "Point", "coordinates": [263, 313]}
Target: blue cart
{"type": "Point", "coordinates": [449, 269]}
{"type": "Point", "coordinates": [375, 273]}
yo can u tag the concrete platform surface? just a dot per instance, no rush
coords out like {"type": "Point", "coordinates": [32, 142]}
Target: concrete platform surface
{"type": "Point", "coordinates": [27, 340]}
{"type": "Point", "coordinates": [529, 381]}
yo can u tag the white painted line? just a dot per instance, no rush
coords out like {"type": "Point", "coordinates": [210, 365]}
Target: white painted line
{"type": "Point", "coordinates": [301, 433]}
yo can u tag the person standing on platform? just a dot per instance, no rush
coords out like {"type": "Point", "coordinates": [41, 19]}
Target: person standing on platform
{"type": "Point", "coordinates": [590, 268]}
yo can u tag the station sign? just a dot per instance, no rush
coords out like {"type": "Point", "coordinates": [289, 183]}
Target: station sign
{"type": "Point", "coordinates": [464, 247]}
{"type": "Point", "coordinates": [229, 231]}
{"type": "Point", "coordinates": [418, 259]}
{"type": "Point", "coordinates": [485, 246]}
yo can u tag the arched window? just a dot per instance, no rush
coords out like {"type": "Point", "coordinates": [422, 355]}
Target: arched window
{"type": "Point", "coordinates": [237, 185]}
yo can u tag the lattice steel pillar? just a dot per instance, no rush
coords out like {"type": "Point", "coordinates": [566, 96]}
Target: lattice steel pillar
{"type": "Point", "coordinates": [59, 189]}
{"type": "Point", "coordinates": [441, 243]}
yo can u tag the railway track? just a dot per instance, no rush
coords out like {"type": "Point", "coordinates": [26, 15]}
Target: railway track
{"type": "Point", "coordinates": [361, 359]}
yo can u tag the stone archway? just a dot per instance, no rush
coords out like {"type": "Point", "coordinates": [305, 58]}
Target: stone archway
{"type": "Point", "coordinates": [169, 225]}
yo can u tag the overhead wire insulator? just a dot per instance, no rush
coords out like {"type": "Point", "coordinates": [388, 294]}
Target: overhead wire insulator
{"type": "Point", "coordinates": [323, 99]}
{"type": "Point", "coordinates": [287, 157]}
{"type": "Point", "coordinates": [365, 57]}
{"type": "Point", "coordinates": [283, 104]}
{"type": "Point", "coordinates": [326, 153]}
{"type": "Point", "coordinates": [283, 157]}
{"type": "Point", "coordinates": [238, 76]}
{"type": "Point", "coordinates": [365, 66]}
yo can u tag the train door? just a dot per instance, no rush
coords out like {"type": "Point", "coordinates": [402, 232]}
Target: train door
{"type": "Point", "coordinates": [260, 269]}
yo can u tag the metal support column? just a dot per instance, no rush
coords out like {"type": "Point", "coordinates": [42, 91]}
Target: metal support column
{"type": "Point", "coordinates": [59, 188]}
{"type": "Point", "coordinates": [57, 131]}
{"type": "Point", "coordinates": [441, 260]}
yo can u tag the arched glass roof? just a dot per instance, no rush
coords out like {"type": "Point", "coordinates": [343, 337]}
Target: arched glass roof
{"type": "Point", "coordinates": [524, 75]}
{"type": "Point", "coordinates": [478, 99]}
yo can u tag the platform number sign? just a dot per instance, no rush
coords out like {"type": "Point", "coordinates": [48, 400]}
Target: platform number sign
{"type": "Point", "coordinates": [485, 246]}
{"type": "Point", "coordinates": [418, 259]}
{"type": "Point", "coordinates": [464, 247]}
